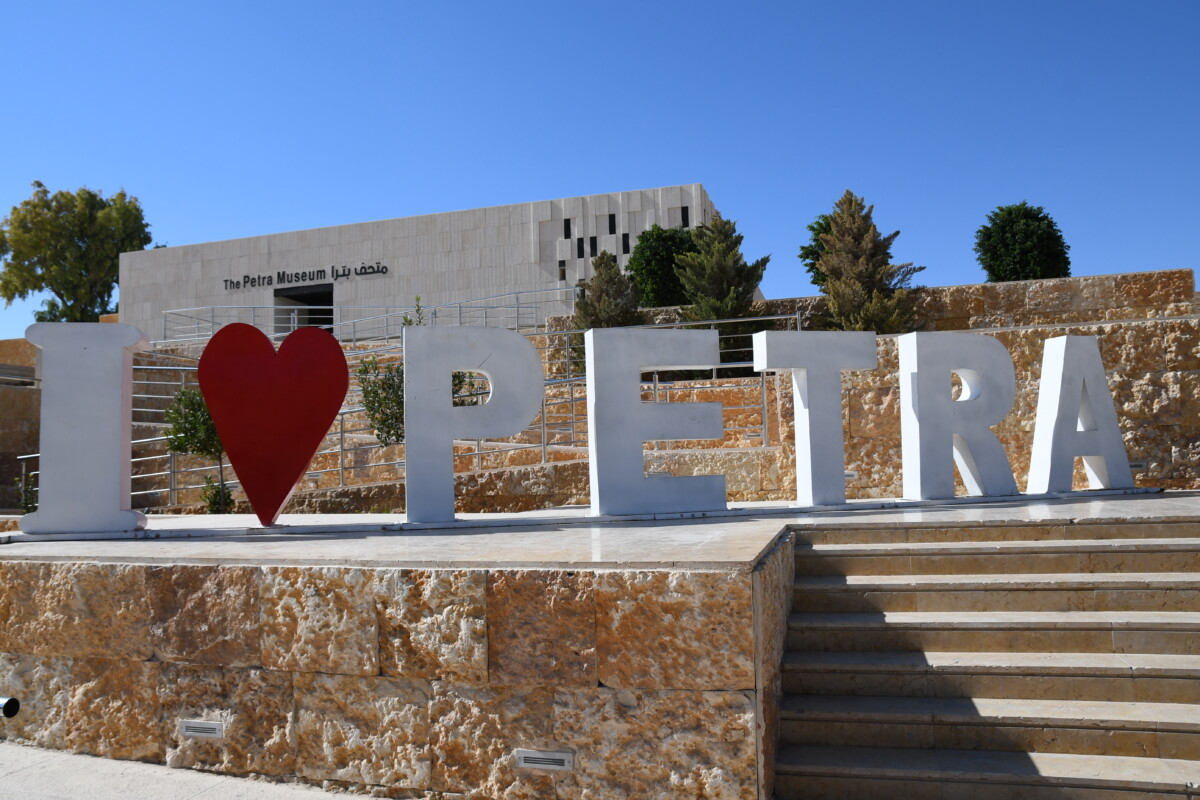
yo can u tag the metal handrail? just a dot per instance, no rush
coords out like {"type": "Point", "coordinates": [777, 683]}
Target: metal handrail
{"type": "Point", "coordinates": [201, 322]}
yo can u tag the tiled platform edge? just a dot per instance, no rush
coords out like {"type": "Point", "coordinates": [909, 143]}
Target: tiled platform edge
{"type": "Point", "coordinates": [408, 682]}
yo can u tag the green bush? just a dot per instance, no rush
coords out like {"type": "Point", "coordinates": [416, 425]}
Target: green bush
{"type": "Point", "coordinates": [1020, 243]}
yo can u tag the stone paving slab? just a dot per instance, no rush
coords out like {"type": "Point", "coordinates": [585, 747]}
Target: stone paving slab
{"type": "Point", "coordinates": [31, 773]}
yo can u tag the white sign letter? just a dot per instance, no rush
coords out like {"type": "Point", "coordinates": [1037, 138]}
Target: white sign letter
{"type": "Point", "coordinates": [432, 421]}
{"type": "Point", "coordinates": [1075, 417]}
{"type": "Point", "coordinates": [87, 380]}
{"type": "Point", "coordinates": [933, 424]}
{"type": "Point", "coordinates": [816, 360]}
{"type": "Point", "coordinates": [619, 422]}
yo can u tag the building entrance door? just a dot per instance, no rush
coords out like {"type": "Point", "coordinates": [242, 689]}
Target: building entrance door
{"type": "Point", "coordinates": [304, 306]}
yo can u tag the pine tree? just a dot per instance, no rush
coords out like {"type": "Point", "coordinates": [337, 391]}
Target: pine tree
{"type": "Point", "coordinates": [811, 253]}
{"type": "Point", "coordinates": [610, 298]}
{"type": "Point", "coordinates": [716, 278]}
{"type": "Point", "coordinates": [866, 291]}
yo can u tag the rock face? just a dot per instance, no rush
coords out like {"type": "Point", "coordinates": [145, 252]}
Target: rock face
{"type": "Point", "coordinates": [674, 630]}
{"type": "Point", "coordinates": [541, 628]}
{"type": "Point", "coordinates": [74, 610]}
{"type": "Point", "coordinates": [372, 731]}
{"type": "Point", "coordinates": [319, 619]}
{"type": "Point", "coordinates": [113, 709]}
{"type": "Point", "coordinates": [433, 623]}
{"type": "Point", "coordinates": [43, 687]}
{"type": "Point", "coordinates": [205, 615]}
{"type": "Point", "coordinates": [255, 705]}
{"type": "Point", "coordinates": [657, 744]}
{"type": "Point", "coordinates": [474, 730]}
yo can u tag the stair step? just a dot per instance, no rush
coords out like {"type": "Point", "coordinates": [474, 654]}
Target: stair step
{"type": "Point", "coordinates": [1086, 591]}
{"type": "Point", "coordinates": [817, 773]}
{"type": "Point", "coordinates": [1097, 727]}
{"type": "Point", "coordinates": [1170, 632]}
{"type": "Point", "coordinates": [1023, 556]}
{"type": "Point", "coordinates": [991, 532]}
{"type": "Point", "coordinates": [1084, 676]}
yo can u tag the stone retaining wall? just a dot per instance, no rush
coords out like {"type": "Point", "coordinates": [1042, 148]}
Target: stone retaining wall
{"type": "Point", "coordinates": [407, 682]}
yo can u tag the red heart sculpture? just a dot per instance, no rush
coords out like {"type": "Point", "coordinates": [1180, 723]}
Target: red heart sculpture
{"type": "Point", "coordinates": [272, 409]}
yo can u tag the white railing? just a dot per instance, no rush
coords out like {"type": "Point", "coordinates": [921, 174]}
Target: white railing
{"type": "Point", "coordinates": [522, 311]}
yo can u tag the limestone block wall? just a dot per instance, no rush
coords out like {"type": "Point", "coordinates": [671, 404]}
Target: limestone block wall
{"type": "Point", "coordinates": [20, 412]}
{"type": "Point", "coordinates": [415, 682]}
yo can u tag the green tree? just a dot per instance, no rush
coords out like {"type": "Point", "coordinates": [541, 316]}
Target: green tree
{"type": "Point", "coordinates": [382, 386]}
{"type": "Point", "coordinates": [609, 299]}
{"type": "Point", "coordinates": [68, 245]}
{"type": "Point", "coordinates": [1020, 243]}
{"type": "Point", "coordinates": [716, 278]}
{"type": "Point", "coordinates": [192, 431]}
{"type": "Point", "coordinates": [652, 265]}
{"type": "Point", "coordinates": [811, 253]}
{"type": "Point", "coordinates": [865, 290]}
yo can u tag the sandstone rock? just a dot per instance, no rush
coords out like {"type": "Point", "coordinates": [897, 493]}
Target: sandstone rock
{"type": "Point", "coordinates": [541, 628]}
{"type": "Point", "coordinates": [474, 730]}
{"type": "Point", "coordinates": [254, 704]}
{"type": "Point", "coordinates": [77, 610]}
{"type": "Point", "coordinates": [657, 745]}
{"type": "Point", "coordinates": [674, 630]}
{"type": "Point", "coordinates": [319, 619]}
{"type": "Point", "coordinates": [113, 709]}
{"type": "Point", "coordinates": [874, 412]}
{"type": "Point", "coordinates": [368, 730]}
{"type": "Point", "coordinates": [433, 623]}
{"type": "Point", "coordinates": [43, 687]}
{"type": "Point", "coordinates": [205, 614]}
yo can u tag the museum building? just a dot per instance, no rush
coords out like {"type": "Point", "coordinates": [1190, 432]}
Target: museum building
{"type": "Point", "coordinates": [305, 277]}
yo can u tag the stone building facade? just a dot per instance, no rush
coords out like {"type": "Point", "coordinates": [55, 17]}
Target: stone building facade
{"type": "Point", "coordinates": [443, 258]}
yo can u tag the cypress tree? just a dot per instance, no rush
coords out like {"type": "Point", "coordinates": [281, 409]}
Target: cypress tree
{"type": "Point", "coordinates": [866, 291]}
{"type": "Point", "coordinates": [716, 278]}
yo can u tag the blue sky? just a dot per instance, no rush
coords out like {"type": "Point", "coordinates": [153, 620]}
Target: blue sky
{"type": "Point", "coordinates": [238, 119]}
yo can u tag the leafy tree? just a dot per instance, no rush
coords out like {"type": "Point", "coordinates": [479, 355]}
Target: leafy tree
{"type": "Point", "coordinates": [866, 291]}
{"type": "Point", "coordinates": [193, 431]}
{"type": "Point", "coordinates": [610, 298]}
{"type": "Point", "coordinates": [652, 265]}
{"type": "Point", "coordinates": [811, 253]}
{"type": "Point", "coordinates": [1020, 243]}
{"type": "Point", "coordinates": [69, 245]}
{"type": "Point", "coordinates": [382, 388]}
{"type": "Point", "coordinates": [716, 278]}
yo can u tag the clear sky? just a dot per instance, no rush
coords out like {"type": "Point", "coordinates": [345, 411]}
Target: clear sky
{"type": "Point", "coordinates": [238, 119]}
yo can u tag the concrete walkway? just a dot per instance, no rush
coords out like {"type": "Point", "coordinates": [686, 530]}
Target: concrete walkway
{"type": "Point", "coordinates": [31, 773]}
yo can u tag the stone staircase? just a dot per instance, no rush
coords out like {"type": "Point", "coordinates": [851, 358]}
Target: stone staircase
{"type": "Point", "coordinates": [1031, 661]}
